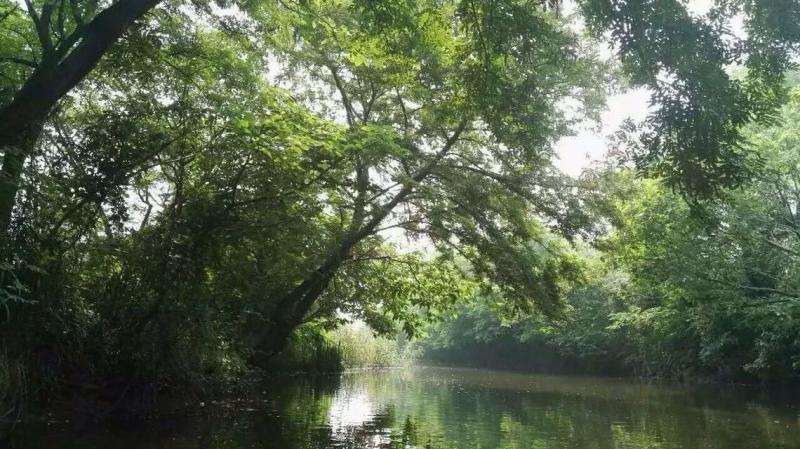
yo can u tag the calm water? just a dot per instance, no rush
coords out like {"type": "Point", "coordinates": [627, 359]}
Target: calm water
{"type": "Point", "coordinates": [455, 408]}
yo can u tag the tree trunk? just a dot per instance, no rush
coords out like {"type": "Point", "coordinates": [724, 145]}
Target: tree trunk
{"type": "Point", "coordinates": [21, 120]}
{"type": "Point", "coordinates": [292, 307]}
{"type": "Point", "coordinates": [14, 146]}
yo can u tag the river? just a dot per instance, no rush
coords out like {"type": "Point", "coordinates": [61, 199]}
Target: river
{"type": "Point", "coordinates": [455, 408]}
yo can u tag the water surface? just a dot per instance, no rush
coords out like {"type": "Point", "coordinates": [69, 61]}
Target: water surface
{"type": "Point", "coordinates": [457, 408]}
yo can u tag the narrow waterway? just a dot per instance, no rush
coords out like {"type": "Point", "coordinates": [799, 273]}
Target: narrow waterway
{"type": "Point", "coordinates": [457, 408]}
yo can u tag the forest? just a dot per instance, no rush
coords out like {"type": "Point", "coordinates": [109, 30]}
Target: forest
{"type": "Point", "coordinates": [197, 194]}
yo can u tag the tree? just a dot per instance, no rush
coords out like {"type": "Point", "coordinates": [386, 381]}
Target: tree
{"type": "Point", "coordinates": [450, 112]}
{"type": "Point", "coordinates": [669, 292]}
{"type": "Point", "coordinates": [715, 294]}
{"type": "Point", "coordinates": [70, 38]}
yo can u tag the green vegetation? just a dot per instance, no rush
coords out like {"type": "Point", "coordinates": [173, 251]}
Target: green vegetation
{"type": "Point", "coordinates": [362, 349]}
{"type": "Point", "coordinates": [313, 350]}
{"type": "Point", "coordinates": [669, 291]}
{"type": "Point", "coordinates": [192, 193]}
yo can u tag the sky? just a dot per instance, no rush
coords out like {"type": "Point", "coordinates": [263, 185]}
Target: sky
{"type": "Point", "coordinates": [590, 144]}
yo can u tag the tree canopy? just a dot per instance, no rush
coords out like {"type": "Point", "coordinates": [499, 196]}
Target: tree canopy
{"type": "Point", "coordinates": [184, 185]}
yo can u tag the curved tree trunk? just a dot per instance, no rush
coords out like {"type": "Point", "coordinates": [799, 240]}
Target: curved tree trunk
{"type": "Point", "coordinates": [292, 307]}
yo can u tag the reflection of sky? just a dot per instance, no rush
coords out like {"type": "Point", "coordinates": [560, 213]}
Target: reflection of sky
{"type": "Point", "coordinates": [349, 420]}
{"type": "Point", "coordinates": [349, 409]}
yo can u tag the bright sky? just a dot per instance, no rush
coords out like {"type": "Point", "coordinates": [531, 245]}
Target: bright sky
{"type": "Point", "coordinates": [577, 152]}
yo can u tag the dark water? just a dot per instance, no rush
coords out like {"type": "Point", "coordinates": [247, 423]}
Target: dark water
{"type": "Point", "coordinates": [454, 408]}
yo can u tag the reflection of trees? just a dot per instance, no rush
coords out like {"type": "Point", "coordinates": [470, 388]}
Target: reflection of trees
{"type": "Point", "coordinates": [432, 411]}
{"type": "Point", "coordinates": [625, 438]}
{"type": "Point", "coordinates": [452, 410]}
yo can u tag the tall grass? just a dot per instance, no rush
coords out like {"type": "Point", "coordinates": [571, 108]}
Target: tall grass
{"type": "Point", "coordinates": [361, 348]}
{"type": "Point", "coordinates": [352, 346]}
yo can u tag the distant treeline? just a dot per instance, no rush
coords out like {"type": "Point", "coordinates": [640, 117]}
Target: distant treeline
{"type": "Point", "coordinates": [704, 291]}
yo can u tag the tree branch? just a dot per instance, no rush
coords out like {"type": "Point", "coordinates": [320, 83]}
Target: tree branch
{"type": "Point", "coordinates": [777, 291]}
{"type": "Point", "coordinates": [348, 106]}
{"type": "Point", "coordinates": [16, 60]}
{"type": "Point", "coordinates": [777, 245]}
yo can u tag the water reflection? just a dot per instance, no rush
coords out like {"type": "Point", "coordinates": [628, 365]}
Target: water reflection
{"type": "Point", "coordinates": [349, 408]}
{"type": "Point", "coordinates": [448, 408]}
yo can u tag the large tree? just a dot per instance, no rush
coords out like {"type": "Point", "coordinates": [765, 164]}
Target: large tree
{"type": "Point", "coordinates": [451, 111]}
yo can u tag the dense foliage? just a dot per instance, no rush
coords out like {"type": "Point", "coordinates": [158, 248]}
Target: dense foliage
{"type": "Point", "coordinates": [187, 188]}
{"type": "Point", "coordinates": [225, 176]}
{"type": "Point", "coordinates": [670, 291]}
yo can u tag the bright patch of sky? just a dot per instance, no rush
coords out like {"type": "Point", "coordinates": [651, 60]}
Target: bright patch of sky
{"type": "Point", "coordinates": [589, 145]}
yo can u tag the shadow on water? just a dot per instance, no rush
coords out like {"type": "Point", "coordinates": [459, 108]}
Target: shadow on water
{"type": "Point", "coordinates": [456, 408]}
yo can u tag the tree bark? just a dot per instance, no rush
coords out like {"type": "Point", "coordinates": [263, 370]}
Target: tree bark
{"type": "Point", "coordinates": [292, 307]}
{"type": "Point", "coordinates": [13, 144]}
{"type": "Point", "coordinates": [60, 70]}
